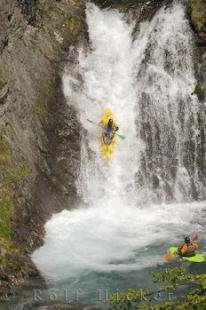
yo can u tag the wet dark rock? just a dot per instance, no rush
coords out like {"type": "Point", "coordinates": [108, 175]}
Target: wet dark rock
{"type": "Point", "coordinates": [29, 9]}
{"type": "Point", "coordinates": [127, 3]}
{"type": "Point", "coordinates": [155, 181]}
{"type": "Point", "coordinates": [201, 43]}
{"type": "Point", "coordinates": [3, 42]}
{"type": "Point", "coordinates": [3, 94]}
{"type": "Point", "coordinates": [4, 90]}
{"type": "Point", "coordinates": [138, 10]}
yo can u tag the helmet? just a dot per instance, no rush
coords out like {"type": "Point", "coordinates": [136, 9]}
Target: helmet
{"type": "Point", "coordinates": [187, 239]}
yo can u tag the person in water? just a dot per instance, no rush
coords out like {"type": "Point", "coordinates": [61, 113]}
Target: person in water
{"type": "Point", "coordinates": [188, 248]}
{"type": "Point", "coordinates": [110, 129]}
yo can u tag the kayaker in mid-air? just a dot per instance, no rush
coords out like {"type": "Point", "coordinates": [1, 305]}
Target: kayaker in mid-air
{"type": "Point", "coordinates": [188, 248]}
{"type": "Point", "coordinates": [109, 131]}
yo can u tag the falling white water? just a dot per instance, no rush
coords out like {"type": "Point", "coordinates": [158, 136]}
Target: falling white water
{"type": "Point", "coordinates": [167, 112]}
{"type": "Point", "coordinates": [108, 72]}
{"type": "Point", "coordinates": [114, 230]}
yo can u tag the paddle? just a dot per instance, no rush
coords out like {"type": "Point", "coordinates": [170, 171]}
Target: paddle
{"type": "Point", "coordinates": [169, 256]}
{"type": "Point", "coordinates": [120, 136]}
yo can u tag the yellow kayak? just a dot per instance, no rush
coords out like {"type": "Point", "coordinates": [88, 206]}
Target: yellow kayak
{"type": "Point", "coordinates": [107, 148]}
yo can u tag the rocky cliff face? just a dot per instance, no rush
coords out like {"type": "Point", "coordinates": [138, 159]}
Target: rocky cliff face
{"type": "Point", "coordinates": [29, 9]}
{"type": "Point", "coordinates": [39, 133]}
{"type": "Point", "coordinates": [197, 13]}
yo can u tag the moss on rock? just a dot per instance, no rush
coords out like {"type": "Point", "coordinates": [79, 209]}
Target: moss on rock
{"type": "Point", "coordinates": [200, 91]}
{"type": "Point", "coordinates": [5, 220]}
{"type": "Point", "coordinates": [170, 279]}
{"type": "Point", "coordinates": [10, 174]}
{"type": "Point", "coordinates": [5, 150]}
{"type": "Point", "coordinates": [198, 16]}
{"type": "Point", "coordinates": [69, 27]}
{"type": "Point", "coordinates": [18, 173]}
{"type": "Point", "coordinates": [65, 24]}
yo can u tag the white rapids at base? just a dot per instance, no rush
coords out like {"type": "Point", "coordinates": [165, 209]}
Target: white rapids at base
{"type": "Point", "coordinates": [105, 239]}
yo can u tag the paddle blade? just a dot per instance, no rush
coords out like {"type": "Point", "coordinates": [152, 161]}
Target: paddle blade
{"type": "Point", "coordinates": [168, 257]}
{"type": "Point", "coordinates": [121, 136]}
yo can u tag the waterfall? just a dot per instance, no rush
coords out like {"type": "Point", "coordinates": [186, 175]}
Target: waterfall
{"type": "Point", "coordinates": [144, 198]}
{"type": "Point", "coordinates": [169, 117]}
{"type": "Point", "coordinates": [108, 74]}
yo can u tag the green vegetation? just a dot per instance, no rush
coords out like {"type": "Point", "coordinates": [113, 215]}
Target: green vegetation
{"type": "Point", "coordinates": [18, 173]}
{"type": "Point", "coordinates": [132, 296]}
{"type": "Point", "coordinates": [69, 27]}
{"type": "Point", "coordinates": [10, 173]}
{"type": "Point", "coordinates": [198, 14]}
{"type": "Point", "coordinates": [5, 211]}
{"type": "Point", "coordinates": [200, 91]}
{"type": "Point", "coordinates": [168, 280]}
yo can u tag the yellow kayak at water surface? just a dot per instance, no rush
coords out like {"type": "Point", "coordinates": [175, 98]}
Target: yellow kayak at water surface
{"type": "Point", "coordinates": [107, 150]}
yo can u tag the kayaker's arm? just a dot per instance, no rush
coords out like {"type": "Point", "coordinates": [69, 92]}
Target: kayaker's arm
{"type": "Point", "coordinates": [120, 136]}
